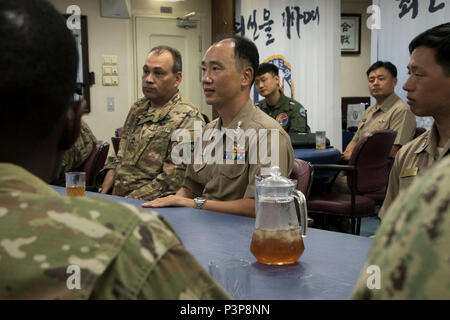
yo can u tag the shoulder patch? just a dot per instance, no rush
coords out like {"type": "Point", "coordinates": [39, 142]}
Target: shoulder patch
{"type": "Point", "coordinates": [302, 112]}
{"type": "Point", "coordinates": [282, 119]}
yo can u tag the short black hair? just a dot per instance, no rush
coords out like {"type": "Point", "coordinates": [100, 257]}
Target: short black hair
{"type": "Point", "coordinates": [38, 66]}
{"type": "Point", "coordinates": [245, 51]}
{"type": "Point", "coordinates": [267, 68]}
{"type": "Point", "coordinates": [383, 64]}
{"type": "Point", "coordinates": [176, 56]}
{"type": "Point", "coordinates": [437, 38]}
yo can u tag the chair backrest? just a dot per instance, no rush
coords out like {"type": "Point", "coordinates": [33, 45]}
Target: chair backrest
{"type": "Point", "coordinates": [302, 171]}
{"type": "Point", "coordinates": [116, 142]}
{"type": "Point", "coordinates": [371, 157]}
{"type": "Point", "coordinates": [419, 131]}
{"type": "Point", "coordinates": [95, 162]}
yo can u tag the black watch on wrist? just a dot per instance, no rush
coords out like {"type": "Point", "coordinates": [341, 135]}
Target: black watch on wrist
{"type": "Point", "coordinates": [199, 202]}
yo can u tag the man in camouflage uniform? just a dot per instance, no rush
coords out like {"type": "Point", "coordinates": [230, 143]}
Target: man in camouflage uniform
{"type": "Point", "coordinates": [428, 90]}
{"type": "Point", "coordinates": [412, 246]}
{"type": "Point", "coordinates": [54, 247]}
{"type": "Point", "coordinates": [229, 186]}
{"type": "Point", "coordinates": [77, 155]}
{"type": "Point", "coordinates": [290, 114]}
{"type": "Point", "coordinates": [143, 168]}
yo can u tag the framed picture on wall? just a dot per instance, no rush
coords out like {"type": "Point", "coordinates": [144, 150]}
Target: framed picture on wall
{"type": "Point", "coordinates": [350, 33]}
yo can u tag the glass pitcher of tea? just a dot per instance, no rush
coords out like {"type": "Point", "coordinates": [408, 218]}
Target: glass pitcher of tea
{"type": "Point", "coordinates": [278, 238]}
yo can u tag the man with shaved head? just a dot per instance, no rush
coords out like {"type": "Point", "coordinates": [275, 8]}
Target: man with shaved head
{"type": "Point", "coordinates": [229, 68]}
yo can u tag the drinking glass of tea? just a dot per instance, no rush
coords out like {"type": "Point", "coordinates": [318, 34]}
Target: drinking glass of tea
{"type": "Point", "coordinates": [75, 184]}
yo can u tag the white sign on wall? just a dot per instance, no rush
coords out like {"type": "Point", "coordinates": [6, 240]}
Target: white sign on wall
{"type": "Point", "coordinates": [303, 39]}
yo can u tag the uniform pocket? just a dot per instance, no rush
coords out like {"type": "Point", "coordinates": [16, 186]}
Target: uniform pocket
{"type": "Point", "coordinates": [198, 167]}
{"type": "Point", "coordinates": [232, 171]}
{"type": "Point", "coordinates": [152, 148]}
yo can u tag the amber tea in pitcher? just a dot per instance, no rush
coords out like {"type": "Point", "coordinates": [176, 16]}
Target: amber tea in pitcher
{"type": "Point", "coordinates": [277, 238]}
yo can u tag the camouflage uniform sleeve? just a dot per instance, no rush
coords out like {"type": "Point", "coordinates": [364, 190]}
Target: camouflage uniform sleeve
{"type": "Point", "coordinates": [171, 178]}
{"type": "Point", "coordinates": [153, 264]}
{"type": "Point", "coordinates": [411, 247]}
{"type": "Point", "coordinates": [75, 157]}
{"type": "Point", "coordinates": [297, 118]}
{"type": "Point", "coordinates": [129, 122]}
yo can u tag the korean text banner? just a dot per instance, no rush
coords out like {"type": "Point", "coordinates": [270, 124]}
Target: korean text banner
{"type": "Point", "coordinates": [399, 22]}
{"type": "Point", "coordinates": [303, 39]}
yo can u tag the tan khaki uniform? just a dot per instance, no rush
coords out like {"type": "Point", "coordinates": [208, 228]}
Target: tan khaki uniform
{"type": "Point", "coordinates": [393, 114]}
{"type": "Point", "coordinates": [227, 182]}
{"type": "Point", "coordinates": [144, 167]}
{"type": "Point", "coordinates": [412, 159]}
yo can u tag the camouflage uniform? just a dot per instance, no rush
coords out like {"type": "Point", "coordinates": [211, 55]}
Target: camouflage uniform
{"type": "Point", "coordinates": [144, 169]}
{"type": "Point", "coordinates": [290, 114]}
{"type": "Point", "coordinates": [75, 156]}
{"type": "Point", "coordinates": [412, 246]}
{"type": "Point", "coordinates": [122, 252]}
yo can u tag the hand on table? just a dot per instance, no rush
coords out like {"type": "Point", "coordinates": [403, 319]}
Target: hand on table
{"type": "Point", "coordinates": [170, 201]}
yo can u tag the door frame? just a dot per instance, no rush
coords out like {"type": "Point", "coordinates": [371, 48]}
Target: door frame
{"type": "Point", "coordinates": [137, 86]}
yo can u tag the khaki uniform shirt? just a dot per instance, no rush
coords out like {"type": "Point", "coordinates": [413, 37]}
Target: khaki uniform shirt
{"type": "Point", "coordinates": [411, 160]}
{"type": "Point", "coordinates": [121, 252]}
{"type": "Point", "coordinates": [144, 168]}
{"type": "Point", "coordinates": [290, 114]}
{"type": "Point", "coordinates": [394, 115]}
{"type": "Point", "coordinates": [412, 246]}
{"type": "Point", "coordinates": [227, 182]}
{"type": "Point", "coordinates": [75, 157]}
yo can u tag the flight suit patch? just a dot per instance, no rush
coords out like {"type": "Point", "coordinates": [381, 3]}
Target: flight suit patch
{"type": "Point", "coordinates": [282, 119]}
{"type": "Point", "coordinates": [303, 112]}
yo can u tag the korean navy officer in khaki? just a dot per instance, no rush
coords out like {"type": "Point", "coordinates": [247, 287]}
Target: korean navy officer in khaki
{"type": "Point", "coordinates": [228, 74]}
{"type": "Point", "coordinates": [428, 88]}
{"type": "Point", "coordinates": [143, 168]}
{"type": "Point", "coordinates": [389, 112]}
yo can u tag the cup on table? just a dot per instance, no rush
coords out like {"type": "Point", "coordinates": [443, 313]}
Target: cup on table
{"type": "Point", "coordinates": [233, 275]}
{"type": "Point", "coordinates": [75, 184]}
{"type": "Point", "coordinates": [321, 142]}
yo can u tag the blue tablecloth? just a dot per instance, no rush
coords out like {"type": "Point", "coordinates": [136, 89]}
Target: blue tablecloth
{"type": "Point", "coordinates": [328, 269]}
{"type": "Point", "coordinates": [316, 156]}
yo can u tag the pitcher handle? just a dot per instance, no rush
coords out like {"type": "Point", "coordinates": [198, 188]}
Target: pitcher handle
{"type": "Point", "coordinates": [300, 197]}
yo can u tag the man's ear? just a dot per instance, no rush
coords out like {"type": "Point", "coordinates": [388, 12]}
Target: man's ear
{"type": "Point", "coordinates": [178, 78]}
{"type": "Point", "coordinates": [247, 76]}
{"type": "Point", "coordinates": [71, 129]}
